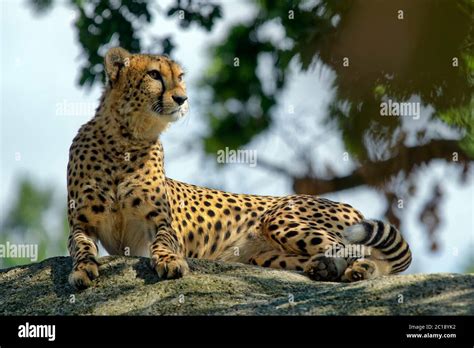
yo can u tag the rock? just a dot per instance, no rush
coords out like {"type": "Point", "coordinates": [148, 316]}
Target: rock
{"type": "Point", "coordinates": [128, 286]}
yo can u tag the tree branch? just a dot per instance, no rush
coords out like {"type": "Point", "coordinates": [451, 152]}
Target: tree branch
{"type": "Point", "coordinates": [376, 174]}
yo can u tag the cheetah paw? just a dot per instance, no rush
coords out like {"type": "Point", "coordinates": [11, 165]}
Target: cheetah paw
{"type": "Point", "coordinates": [84, 273]}
{"type": "Point", "coordinates": [324, 268]}
{"type": "Point", "coordinates": [171, 266]}
{"type": "Point", "coordinates": [360, 270]}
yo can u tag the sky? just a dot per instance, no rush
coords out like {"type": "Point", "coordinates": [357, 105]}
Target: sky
{"type": "Point", "coordinates": [39, 73]}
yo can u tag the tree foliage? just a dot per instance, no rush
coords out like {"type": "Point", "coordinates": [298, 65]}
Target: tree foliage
{"type": "Point", "coordinates": [400, 50]}
{"type": "Point", "coordinates": [101, 24]}
{"type": "Point", "coordinates": [29, 221]}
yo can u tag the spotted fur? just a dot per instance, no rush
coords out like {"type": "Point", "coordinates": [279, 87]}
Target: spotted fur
{"type": "Point", "coordinates": [119, 195]}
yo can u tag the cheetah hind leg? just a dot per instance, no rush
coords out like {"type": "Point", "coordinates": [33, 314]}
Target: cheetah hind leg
{"type": "Point", "coordinates": [365, 268]}
{"type": "Point", "coordinates": [323, 268]}
{"type": "Point", "coordinates": [317, 267]}
{"type": "Point", "coordinates": [280, 259]}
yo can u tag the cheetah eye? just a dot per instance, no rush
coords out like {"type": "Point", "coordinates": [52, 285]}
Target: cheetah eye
{"type": "Point", "coordinates": [155, 74]}
{"type": "Point", "coordinates": [180, 77]}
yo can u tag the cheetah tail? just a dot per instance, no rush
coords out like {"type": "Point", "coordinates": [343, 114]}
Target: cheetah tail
{"type": "Point", "coordinates": [384, 238]}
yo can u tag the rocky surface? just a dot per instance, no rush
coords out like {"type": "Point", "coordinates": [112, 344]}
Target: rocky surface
{"type": "Point", "coordinates": [128, 286]}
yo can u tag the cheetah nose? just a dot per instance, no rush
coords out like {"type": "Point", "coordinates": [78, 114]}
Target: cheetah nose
{"type": "Point", "coordinates": [180, 99]}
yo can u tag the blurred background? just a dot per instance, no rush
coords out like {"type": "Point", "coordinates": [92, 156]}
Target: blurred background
{"type": "Point", "coordinates": [299, 82]}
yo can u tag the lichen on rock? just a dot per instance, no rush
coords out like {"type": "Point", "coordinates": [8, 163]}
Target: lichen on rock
{"type": "Point", "coordinates": [128, 286]}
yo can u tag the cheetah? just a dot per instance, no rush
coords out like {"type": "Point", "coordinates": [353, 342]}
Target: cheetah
{"type": "Point", "coordinates": [118, 195]}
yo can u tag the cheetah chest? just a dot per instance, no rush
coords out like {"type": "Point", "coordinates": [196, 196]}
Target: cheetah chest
{"type": "Point", "coordinates": [125, 231]}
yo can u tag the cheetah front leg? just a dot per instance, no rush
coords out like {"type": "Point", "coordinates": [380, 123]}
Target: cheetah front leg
{"type": "Point", "coordinates": [83, 250]}
{"type": "Point", "coordinates": [167, 258]}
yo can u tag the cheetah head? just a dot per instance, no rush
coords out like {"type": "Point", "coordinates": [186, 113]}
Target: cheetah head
{"type": "Point", "coordinates": [147, 90]}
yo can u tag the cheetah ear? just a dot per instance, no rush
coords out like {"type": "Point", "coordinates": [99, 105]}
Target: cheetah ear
{"type": "Point", "coordinates": [115, 59]}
